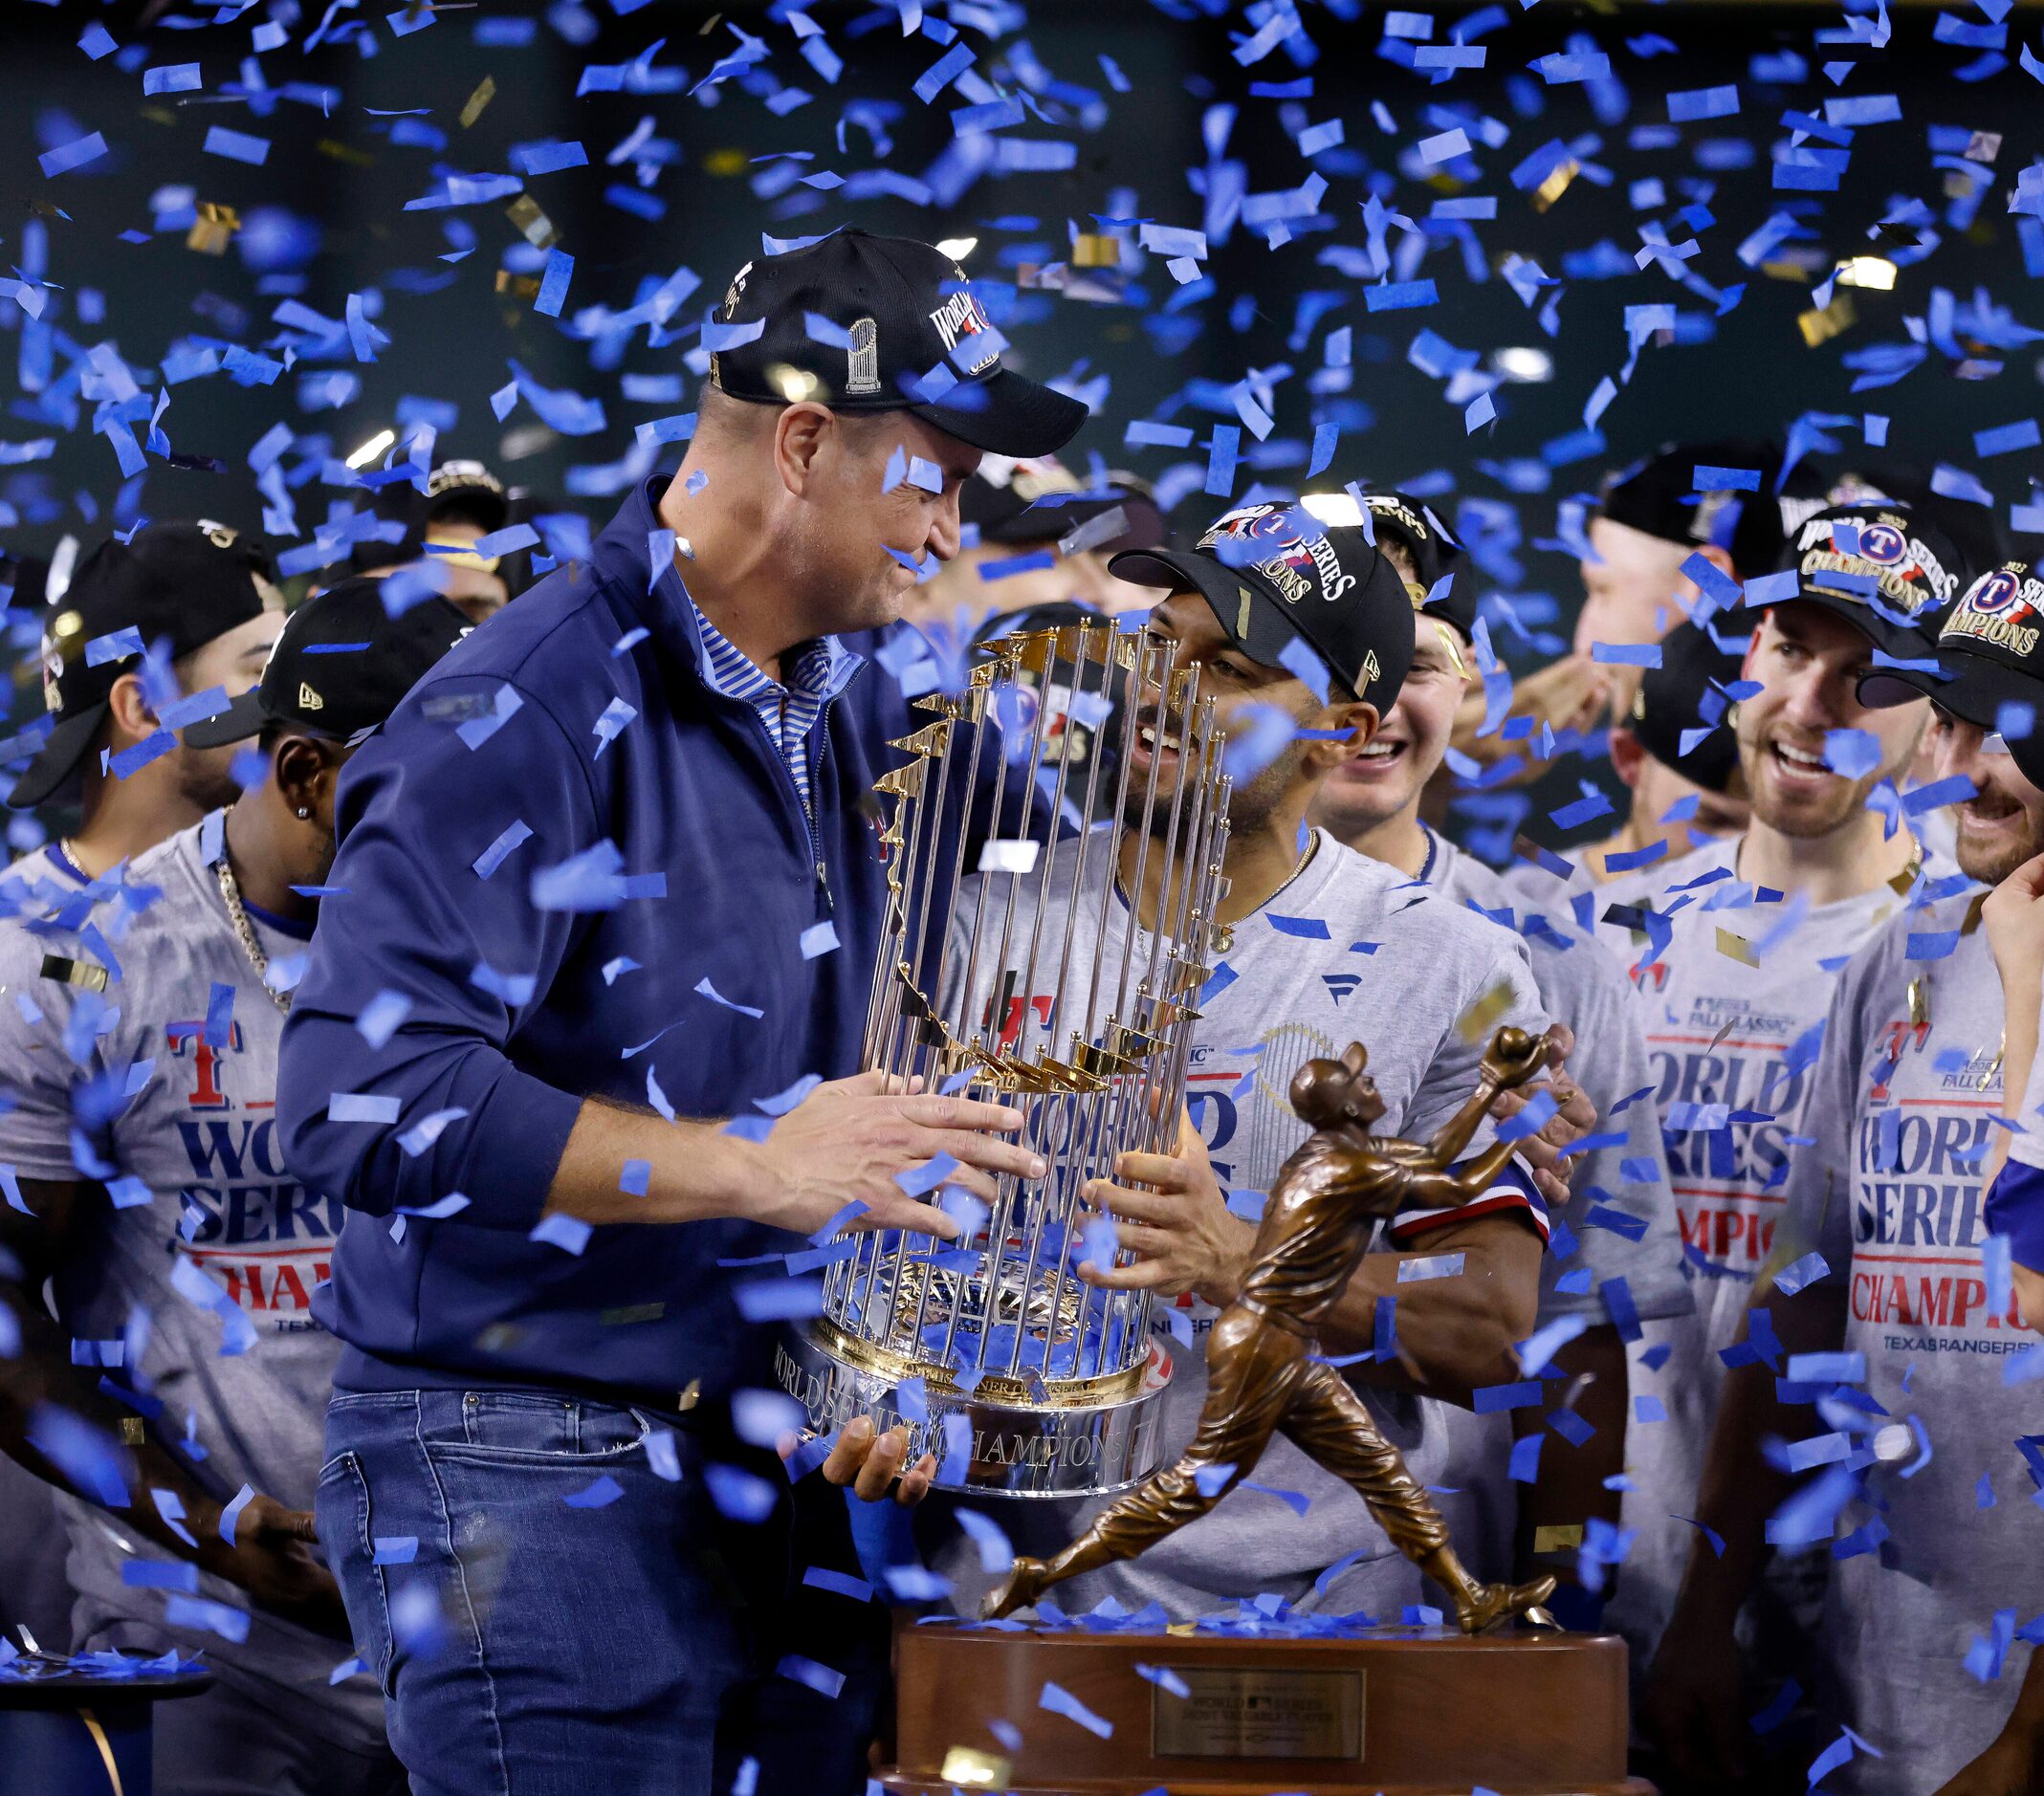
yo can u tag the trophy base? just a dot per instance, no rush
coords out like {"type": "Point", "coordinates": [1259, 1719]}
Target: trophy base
{"type": "Point", "coordinates": [1056, 1450]}
{"type": "Point", "coordinates": [1406, 1711]}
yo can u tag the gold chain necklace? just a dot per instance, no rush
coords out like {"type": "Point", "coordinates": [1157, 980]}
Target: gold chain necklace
{"type": "Point", "coordinates": [1224, 932]}
{"type": "Point", "coordinates": [245, 931]}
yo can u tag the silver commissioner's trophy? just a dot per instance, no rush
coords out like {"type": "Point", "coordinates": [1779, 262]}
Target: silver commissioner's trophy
{"type": "Point", "coordinates": [1020, 1377]}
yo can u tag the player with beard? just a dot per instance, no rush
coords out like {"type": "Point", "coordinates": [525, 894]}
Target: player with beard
{"type": "Point", "coordinates": [1372, 803]}
{"type": "Point", "coordinates": [209, 596]}
{"type": "Point", "coordinates": [1742, 943]}
{"type": "Point", "coordinates": [1317, 945]}
{"type": "Point", "coordinates": [1902, 1109]}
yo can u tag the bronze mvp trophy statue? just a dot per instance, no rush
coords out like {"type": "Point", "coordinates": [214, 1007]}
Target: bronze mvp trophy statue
{"type": "Point", "coordinates": [1027, 1382]}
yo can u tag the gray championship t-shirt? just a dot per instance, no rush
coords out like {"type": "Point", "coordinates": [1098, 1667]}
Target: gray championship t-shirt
{"type": "Point", "coordinates": [1350, 951]}
{"type": "Point", "coordinates": [189, 1036]}
{"type": "Point", "coordinates": [1891, 1195]}
{"type": "Point", "coordinates": [1732, 1008]}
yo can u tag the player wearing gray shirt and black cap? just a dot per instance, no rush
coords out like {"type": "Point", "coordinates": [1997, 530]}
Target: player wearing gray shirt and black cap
{"type": "Point", "coordinates": [1925, 1522]}
{"type": "Point", "coordinates": [181, 1386]}
{"type": "Point", "coordinates": [1618, 1210]}
{"type": "Point", "coordinates": [1309, 629]}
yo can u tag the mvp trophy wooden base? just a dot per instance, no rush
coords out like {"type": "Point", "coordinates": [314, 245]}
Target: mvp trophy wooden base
{"type": "Point", "coordinates": [1410, 1712]}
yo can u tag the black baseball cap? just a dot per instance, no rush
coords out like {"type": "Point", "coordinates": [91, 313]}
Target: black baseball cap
{"type": "Point", "coordinates": [1685, 694]}
{"type": "Point", "coordinates": [463, 491]}
{"type": "Point", "coordinates": [1660, 497]}
{"type": "Point", "coordinates": [905, 332]}
{"type": "Point", "coordinates": [1990, 653]}
{"type": "Point", "coordinates": [189, 581]}
{"type": "Point", "coordinates": [1434, 552]}
{"type": "Point", "coordinates": [1038, 499]}
{"type": "Point", "coordinates": [341, 665]}
{"type": "Point", "coordinates": [1273, 573]}
{"type": "Point", "coordinates": [1913, 569]}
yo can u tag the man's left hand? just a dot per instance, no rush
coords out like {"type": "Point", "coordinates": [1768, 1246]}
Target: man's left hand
{"type": "Point", "coordinates": [871, 1466]}
{"type": "Point", "coordinates": [1187, 1238]}
{"type": "Point", "coordinates": [1574, 1118]}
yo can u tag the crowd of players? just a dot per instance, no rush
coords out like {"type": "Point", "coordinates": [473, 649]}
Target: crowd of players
{"type": "Point", "coordinates": [1771, 1442]}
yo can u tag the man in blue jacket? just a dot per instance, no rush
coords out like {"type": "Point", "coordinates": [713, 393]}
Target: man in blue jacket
{"type": "Point", "coordinates": [606, 902]}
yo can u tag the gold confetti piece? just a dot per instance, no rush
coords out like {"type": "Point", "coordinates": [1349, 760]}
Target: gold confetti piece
{"type": "Point", "coordinates": [1556, 185]}
{"type": "Point", "coordinates": [690, 1393]}
{"type": "Point", "coordinates": [1095, 251]}
{"type": "Point", "coordinates": [344, 153]}
{"type": "Point", "coordinates": [1476, 1023]}
{"type": "Point", "coordinates": [1784, 270]}
{"type": "Point", "coordinates": [159, 115]}
{"type": "Point", "coordinates": [726, 162]}
{"type": "Point", "coordinates": [970, 1769]}
{"type": "Point", "coordinates": [628, 1313]}
{"type": "Point", "coordinates": [485, 93]}
{"type": "Point", "coordinates": [1736, 948]}
{"type": "Point", "coordinates": [524, 286]}
{"type": "Point", "coordinates": [537, 228]}
{"type": "Point", "coordinates": [1874, 271]}
{"type": "Point", "coordinates": [132, 1433]}
{"type": "Point", "coordinates": [709, 24]}
{"type": "Point", "coordinates": [212, 229]}
{"type": "Point", "coordinates": [1820, 327]}
{"type": "Point", "coordinates": [1557, 1537]}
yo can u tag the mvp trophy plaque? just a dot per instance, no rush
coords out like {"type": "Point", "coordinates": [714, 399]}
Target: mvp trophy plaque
{"type": "Point", "coordinates": [1021, 1377]}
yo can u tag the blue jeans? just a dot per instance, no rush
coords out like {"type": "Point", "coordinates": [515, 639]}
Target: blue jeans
{"type": "Point", "coordinates": [524, 1640]}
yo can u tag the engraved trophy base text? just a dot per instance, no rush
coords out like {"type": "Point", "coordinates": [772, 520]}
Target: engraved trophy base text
{"type": "Point", "coordinates": [1406, 1711]}
{"type": "Point", "coordinates": [1088, 1445]}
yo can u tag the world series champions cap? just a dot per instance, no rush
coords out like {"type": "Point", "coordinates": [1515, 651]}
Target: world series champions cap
{"type": "Point", "coordinates": [1990, 653]}
{"type": "Point", "coordinates": [1273, 574]}
{"type": "Point", "coordinates": [1885, 569]}
{"type": "Point", "coordinates": [1436, 557]}
{"type": "Point", "coordinates": [863, 324]}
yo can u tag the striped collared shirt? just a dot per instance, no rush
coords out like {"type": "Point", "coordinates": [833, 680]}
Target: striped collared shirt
{"type": "Point", "coordinates": [817, 669]}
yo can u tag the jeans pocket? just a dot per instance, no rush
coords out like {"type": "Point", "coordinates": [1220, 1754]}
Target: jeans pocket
{"type": "Point", "coordinates": [517, 1425]}
{"type": "Point", "coordinates": [341, 1510]}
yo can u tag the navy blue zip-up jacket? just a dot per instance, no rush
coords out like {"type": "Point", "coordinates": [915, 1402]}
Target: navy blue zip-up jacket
{"type": "Point", "coordinates": [516, 1013]}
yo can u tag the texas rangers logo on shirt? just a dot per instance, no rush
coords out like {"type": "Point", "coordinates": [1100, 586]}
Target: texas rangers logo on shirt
{"type": "Point", "coordinates": [1994, 608]}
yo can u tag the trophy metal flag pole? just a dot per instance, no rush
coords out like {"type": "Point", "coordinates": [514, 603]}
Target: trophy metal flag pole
{"type": "Point", "coordinates": [1022, 1377]}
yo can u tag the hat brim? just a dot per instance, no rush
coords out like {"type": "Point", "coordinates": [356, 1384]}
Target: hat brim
{"type": "Point", "coordinates": [1042, 522]}
{"type": "Point", "coordinates": [1975, 693]}
{"type": "Point", "coordinates": [242, 719]}
{"type": "Point", "coordinates": [59, 759]}
{"type": "Point", "coordinates": [1253, 617]}
{"type": "Point", "coordinates": [1902, 641]}
{"type": "Point", "coordinates": [1008, 415]}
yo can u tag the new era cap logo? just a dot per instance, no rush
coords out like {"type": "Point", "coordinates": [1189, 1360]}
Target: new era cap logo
{"type": "Point", "coordinates": [308, 699]}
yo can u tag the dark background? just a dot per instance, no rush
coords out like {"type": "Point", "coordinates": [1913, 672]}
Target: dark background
{"type": "Point", "coordinates": [323, 218]}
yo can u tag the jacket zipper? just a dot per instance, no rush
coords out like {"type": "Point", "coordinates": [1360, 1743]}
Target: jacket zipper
{"type": "Point", "coordinates": [817, 863]}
